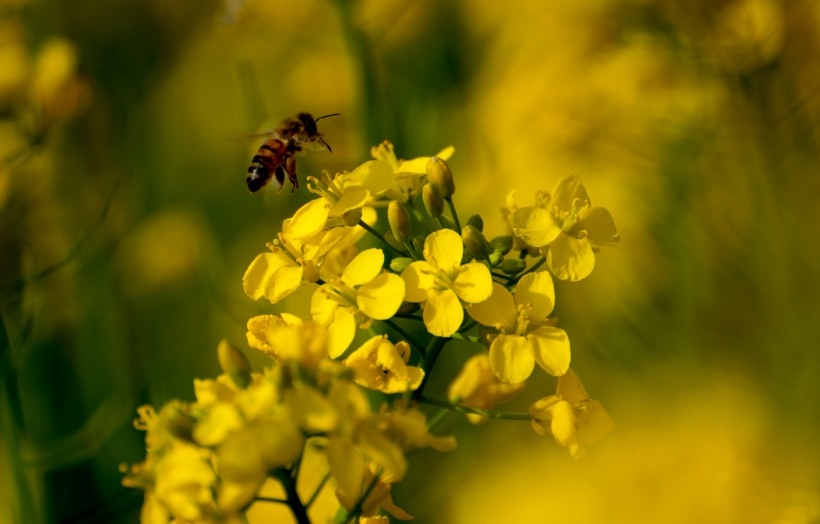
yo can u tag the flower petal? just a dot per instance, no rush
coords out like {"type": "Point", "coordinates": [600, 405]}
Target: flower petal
{"type": "Point", "coordinates": [443, 249]}
{"type": "Point", "coordinates": [443, 313]}
{"type": "Point", "coordinates": [600, 227]}
{"type": "Point", "coordinates": [550, 346]}
{"type": "Point", "coordinates": [563, 423]}
{"type": "Point", "coordinates": [419, 279]}
{"type": "Point", "coordinates": [308, 220]}
{"type": "Point", "coordinates": [538, 290]}
{"type": "Point", "coordinates": [473, 283]}
{"type": "Point", "coordinates": [381, 297]}
{"type": "Point", "coordinates": [352, 198]}
{"type": "Point", "coordinates": [374, 175]}
{"type": "Point", "coordinates": [497, 311]}
{"type": "Point", "coordinates": [322, 305]}
{"type": "Point", "coordinates": [511, 358]}
{"type": "Point", "coordinates": [364, 267]}
{"type": "Point", "coordinates": [534, 225]}
{"type": "Point", "coordinates": [340, 332]}
{"type": "Point", "coordinates": [566, 191]}
{"type": "Point", "coordinates": [271, 275]}
{"type": "Point", "coordinates": [571, 258]}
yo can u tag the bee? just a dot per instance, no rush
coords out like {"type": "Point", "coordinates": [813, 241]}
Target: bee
{"type": "Point", "coordinates": [275, 157]}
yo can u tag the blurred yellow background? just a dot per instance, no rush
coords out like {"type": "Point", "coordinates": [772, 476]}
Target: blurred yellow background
{"type": "Point", "coordinates": [126, 226]}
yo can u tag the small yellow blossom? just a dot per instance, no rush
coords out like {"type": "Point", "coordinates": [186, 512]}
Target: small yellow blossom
{"type": "Point", "coordinates": [573, 419]}
{"type": "Point", "coordinates": [288, 338]}
{"type": "Point", "coordinates": [478, 387]}
{"type": "Point", "coordinates": [362, 293]}
{"type": "Point", "coordinates": [380, 365]}
{"type": "Point", "coordinates": [443, 284]}
{"type": "Point", "coordinates": [296, 257]}
{"type": "Point", "coordinates": [347, 193]}
{"type": "Point", "coordinates": [567, 227]}
{"type": "Point", "coordinates": [409, 175]}
{"type": "Point", "coordinates": [526, 335]}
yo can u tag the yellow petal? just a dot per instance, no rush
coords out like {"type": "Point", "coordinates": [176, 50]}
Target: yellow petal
{"type": "Point", "coordinates": [443, 249]}
{"type": "Point", "coordinates": [346, 467]}
{"type": "Point", "coordinates": [593, 423]}
{"type": "Point", "coordinates": [550, 346]}
{"type": "Point", "coordinates": [311, 410]}
{"type": "Point", "coordinates": [537, 290]}
{"type": "Point", "coordinates": [571, 258]}
{"type": "Point", "coordinates": [376, 176]}
{"type": "Point", "coordinates": [352, 198]}
{"type": "Point", "coordinates": [384, 452]}
{"type": "Point", "coordinates": [381, 297]}
{"type": "Point", "coordinates": [340, 331]}
{"type": "Point", "coordinates": [418, 165]}
{"type": "Point", "coordinates": [419, 279]}
{"type": "Point", "coordinates": [473, 282]}
{"type": "Point", "coordinates": [308, 220]}
{"type": "Point", "coordinates": [364, 267]}
{"type": "Point", "coordinates": [443, 313]}
{"type": "Point", "coordinates": [535, 226]}
{"type": "Point", "coordinates": [511, 358]}
{"type": "Point", "coordinates": [497, 311]}
{"type": "Point", "coordinates": [571, 389]}
{"type": "Point", "coordinates": [271, 275]}
{"type": "Point", "coordinates": [566, 191]}
{"type": "Point", "coordinates": [563, 423]}
{"type": "Point", "coordinates": [322, 305]}
{"type": "Point", "coordinates": [600, 226]}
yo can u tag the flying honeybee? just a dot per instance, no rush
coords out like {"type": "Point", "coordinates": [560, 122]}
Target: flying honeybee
{"type": "Point", "coordinates": [275, 156]}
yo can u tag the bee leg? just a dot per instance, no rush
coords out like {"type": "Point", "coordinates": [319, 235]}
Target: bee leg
{"type": "Point", "coordinates": [280, 176]}
{"type": "Point", "coordinates": [290, 168]}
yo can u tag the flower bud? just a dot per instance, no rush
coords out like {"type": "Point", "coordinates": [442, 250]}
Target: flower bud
{"type": "Point", "coordinates": [475, 242]}
{"type": "Point", "coordinates": [496, 258]}
{"type": "Point", "coordinates": [234, 363]}
{"type": "Point", "coordinates": [399, 219]}
{"type": "Point", "coordinates": [439, 175]}
{"type": "Point", "coordinates": [477, 222]}
{"type": "Point", "coordinates": [502, 244]}
{"type": "Point", "coordinates": [399, 264]}
{"type": "Point", "coordinates": [512, 266]}
{"type": "Point", "coordinates": [433, 202]}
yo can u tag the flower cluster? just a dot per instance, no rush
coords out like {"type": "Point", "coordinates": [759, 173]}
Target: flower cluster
{"type": "Point", "coordinates": [379, 319]}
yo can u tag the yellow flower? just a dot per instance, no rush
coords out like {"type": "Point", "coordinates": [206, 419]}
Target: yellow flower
{"type": "Point", "coordinates": [409, 175]}
{"type": "Point", "coordinates": [526, 335]}
{"type": "Point", "coordinates": [443, 284]}
{"type": "Point", "coordinates": [348, 192]}
{"type": "Point", "coordinates": [380, 365]}
{"type": "Point", "coordinates": [363, 292]}
{"type": "Point", "coordinates": [377, 498]}
{"type": "Point", "coordinates": [572, 229]}
{"type": "Point", "coordinates": [184, 482]}
{"type": "Point", "coordinates": [570, 416]}
{"type": "Point", "coordinates": [478, 387]}
{"type": "Point", "coordinates": [288, 338]}
{"type": "Point", "coordinates": [296, 257]}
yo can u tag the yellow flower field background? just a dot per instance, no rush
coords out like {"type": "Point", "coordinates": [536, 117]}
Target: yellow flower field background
{"type": "Point", "coordinates": [126, 228]}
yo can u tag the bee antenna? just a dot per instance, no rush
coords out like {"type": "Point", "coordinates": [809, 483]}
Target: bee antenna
{"type": "Point", "coordinates": [325, 116]}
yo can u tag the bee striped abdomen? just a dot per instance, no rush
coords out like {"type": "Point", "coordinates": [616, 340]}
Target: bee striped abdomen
{"type": "Point", "coordinates": [264, 165]}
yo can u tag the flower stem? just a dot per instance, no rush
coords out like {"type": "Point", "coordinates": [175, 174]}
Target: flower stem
{"type": "Point", "coordinates": [430, 356]}
{"type": "Point", "coordinates": [452, 207]}
{"type": "Point", "coordinates": [476, 411]}
{"type": "Point", "coordinates": [294, 502]}
{"type": "Point", "coordinates": [378, 235]}
{"type": "Point", "coordinates": [538, 263]}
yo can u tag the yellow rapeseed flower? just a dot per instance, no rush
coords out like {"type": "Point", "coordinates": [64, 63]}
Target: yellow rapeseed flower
{"type": "Point", "coordinates": [573, 419]}
{"type": "Point", "coordinates": [442, 284]}
{"type": "Point", "coordinates": [362, 292]}
{"type": "Point", "coordinates": [409, 175]}
{"type": "Point", "coordinates": [477, 386]}
{"type": "Point", "coordinates": [380, 365]}
{"type": "Point", "coordinates": [526, 335]}
{"type": "Point", "coordinates": [286, 337]}
{"type": "Point", "coordinates": [567, 228]}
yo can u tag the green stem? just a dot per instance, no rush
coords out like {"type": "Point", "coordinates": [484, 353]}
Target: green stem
{"type": "Point", "coordinates": [452, 207]}
{"type": "Point", "coordinates": [437, 416]}
{"type": "Point", "coordinates": [298, 509]}
{"type": "Point", "coordinates": [318, 490]}
{"type": "Point", "coordinates": [357, 509]}
{"type": "Point", "coordinates": [378, 235]}
{"type": "Point", "coordinates": [535, 266]}
{"type": "Point", "coordinates": [430, 356]}
{"type": "Point", "coordinates": [476, 411]}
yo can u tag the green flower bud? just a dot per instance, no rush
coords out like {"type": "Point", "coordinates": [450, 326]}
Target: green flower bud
{"type": "Point", "coordinates": [400, 263]}
{"type": "Point", "coordinates": [476, 221]}
{"type": "Point", "coordinates": [502, 244]}
{"type": "Point", "coordinates": [352, 217]}
{"type": "Point", "coordinates": [475, 242]}
{"type": "Point", "coordinates": [399, 219]}
{"type": "Point", "coordinates": [439, 175]}
{"type": "Point", "coordinates": [513, 266]}
{"type": "Point", "coordinates": [496, 258]}
{"type": "Point", "coordinates": [433, 202]}
{"type": "Point", "coordinates": [234, 363]}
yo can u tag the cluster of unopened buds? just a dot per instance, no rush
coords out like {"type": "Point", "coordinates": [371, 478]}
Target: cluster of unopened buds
{"type": "Point", "coordinates": [379, 318]}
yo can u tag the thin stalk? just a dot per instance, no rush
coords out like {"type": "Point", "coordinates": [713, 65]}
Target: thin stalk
{"type": "Point", "coordinates": [453, 212]}
{"type": "Point", "coordinates": [293, 501]}
{"type": "Point", "coordinates": [475, 411]}
{"type": "Point", "coordinates": [378, 235]}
